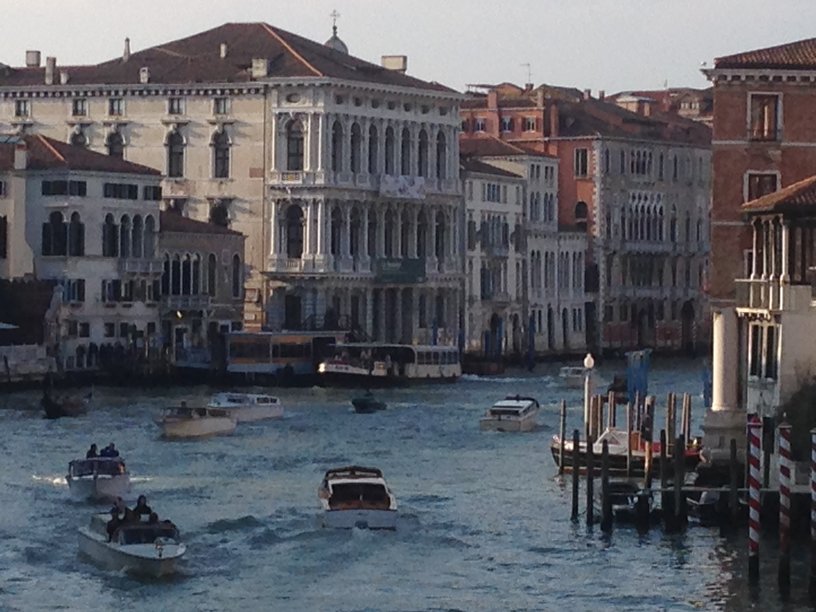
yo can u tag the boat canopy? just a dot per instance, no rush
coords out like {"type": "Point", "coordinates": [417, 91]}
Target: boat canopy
{"type": "Point", "coordinates": [108, 466]}
{"type": "Point", "coordinates": [141, 533]}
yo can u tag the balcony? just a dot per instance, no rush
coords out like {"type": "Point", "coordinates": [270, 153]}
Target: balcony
{"type": "Point", "coordinates": [772, 295]}
{"type": "Point", "coordinates": [186, 302]}
{"type": "Point", "coordinates": [134, 265]}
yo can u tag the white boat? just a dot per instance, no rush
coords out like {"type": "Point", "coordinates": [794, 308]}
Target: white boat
{"type": "Point", "coordinates": [248, 406]}
{"type": "Point", "coordinates": [572, 376]}
{"type": "Point", "coordinates": [514, 413]}
{"type": "Point", "coordinates": [151, 549]}
{"type": "Point", "coordinates": [185, 422]}
{"type": "Point", "coordinates": [98, 479]}
{"type": "Point", "coordinates": [357, 496]}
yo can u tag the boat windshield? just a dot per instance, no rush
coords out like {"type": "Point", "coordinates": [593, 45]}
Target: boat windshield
{"type": "Point", "coordinates": [146, 534]}
{"type": "Point", "coordinates": [357, 494]}
{"type": "Point", "coordinates": [104, 466]}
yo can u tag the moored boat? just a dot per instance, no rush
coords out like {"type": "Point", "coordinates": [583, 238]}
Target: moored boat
{"type": "Point", "coordinates": [248, 406]}
{"type": "Point", "coordinates": [367, 403]}
{"type": "Point", "coordinates": [356, 496]}
{"type": "Point", "coordinates": [151, 549]}
{"type": "Point", "coordinates": [513, 413]}
{"type": "Point", "coordinates": [185, 422]}
{"type": "Point", "coordinates": [98, 478]}
{"type": "Point", "coordinates": [572, 377]}
{"type": "Point", "coordinates": [56, 408]}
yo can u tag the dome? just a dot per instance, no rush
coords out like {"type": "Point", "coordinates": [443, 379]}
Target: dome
{"type": "Point", "coordinates": [335, 43]}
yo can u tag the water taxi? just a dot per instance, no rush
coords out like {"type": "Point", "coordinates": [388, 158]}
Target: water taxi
{"type": "Point", "coordinates": [355, 496]}
{"type": "Point", "coordinates": [185, 422]}
{"type": "Point", "coordinates": [98, 479]}
{"type": "Point", "coordinates": [248, 406]}
{"type": "Point", "coordinates": [572, 377]}
{"type": "Point", "coordinates": [513, 413]}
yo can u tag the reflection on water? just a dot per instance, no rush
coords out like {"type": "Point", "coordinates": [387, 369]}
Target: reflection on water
{"type": "Point", "coordinates": [484, 522]}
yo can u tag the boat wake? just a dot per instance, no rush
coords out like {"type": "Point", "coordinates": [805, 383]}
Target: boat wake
{"type": "Point", "coordinates": [506, 379]}
{"type": "Point", "coordinates": [244, 523]}
{"type": "Point", "coordinates": [57, 481]}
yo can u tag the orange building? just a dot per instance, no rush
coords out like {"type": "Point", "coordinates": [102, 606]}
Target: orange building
{"type": "Point", "coordinates": [764, 139]}
{"type": "Point", "coordinates": [638, 183]}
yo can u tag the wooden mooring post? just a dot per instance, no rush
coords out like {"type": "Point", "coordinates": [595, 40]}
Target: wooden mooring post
{"type": "Point", "coordinates": [812, 582]}
{"type": "Point", "coordinates": [686, 420]}
{"type": "Point", "coordinates": [670, 422]}
{"type": "Point", "coordinates": [754, 445]}
{"type": "Point", "coordinates": [606, 499]}
{"type": "Point", "coordinates": [629, 417]}
{"type": "Point", "coordinates": [665, 499]}
{"type": "Point", "coordinates": [613, 410]}
{"type": "Point", "coordinates": [562, 433]}
{"type": "Point", "coordinates": [785, 464]}
{"type": "Point", "coordinates": [680, 518]}
{"type": "Point", "coordinates": [590, 481]}
{"type": "Point", "coordinates": [576, 442]}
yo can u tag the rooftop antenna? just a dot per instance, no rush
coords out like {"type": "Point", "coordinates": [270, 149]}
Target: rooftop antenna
{"type": "Point", "coordinates": [529, 72]}
{"type": "Point", "coordinates": [334, 15]}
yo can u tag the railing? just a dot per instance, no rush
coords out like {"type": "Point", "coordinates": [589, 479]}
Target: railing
{"type": "Point", "coordinates": [772, 294]}
{"type": "Point", "coordinates": [138, 265]}
{"type": "Point", "coordinates": [186, 302]}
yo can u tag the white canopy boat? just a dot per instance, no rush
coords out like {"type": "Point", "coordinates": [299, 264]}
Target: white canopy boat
{"type": "Point", "coordinates": [357, 496]}
{"type": "Point", "coordinates": [572, 376]}
{"type": "Point", "coordinates": [514, 413]}
{"type": "Point", "coordinates": [151, 549]}
{"type": "Point", "coordinates": [184, 422]}
{"type": "Point", "coordinates": [98, 479]}
{"type": "Point", "coordinates": [248, 406]}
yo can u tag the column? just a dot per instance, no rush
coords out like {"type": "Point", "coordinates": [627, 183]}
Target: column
{"type": "Point", "coordinates": [364, 125]}
{"type": "Point", "coordinates": [321, 228]}
{"type": "Point", "coordinates": [380, 233]}
{"type": "Point", "coordinates": [321, 141]}
{"type": "Point", "coordinates": [345, 232]}
{"type": "Point", "coordinates": [785, 255]}
{"type": "Point", "coordinates": [724, 359]}
{"type": "Point", "coordinates": [398, 327]}
{"type": "Point", "coordinates": [432, 235]}
{"type": "Point", "coordinates": [309, 142]}
{"type": "Point", "coordinates": [755, 250]}
{"type": "Point", "coordinates": [273, 228]}
{"type": "Point", "coordinates": [414, 336]}
{"type": "Point", "coordinates": [398, 231]}
{"type": "Point", "coordinates": [273, 143]}
{"type": "Point", "coordinates": [369, 313]}
{"type": "Point", "coordinates": [364, 255]}
{"type": "Point", "coordinates": [308, 238]}
{"type": "Point", "coordinates": [381, 316]}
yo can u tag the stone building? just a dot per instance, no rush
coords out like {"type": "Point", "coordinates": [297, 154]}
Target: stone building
{"type": "Point", "coordinates": [639, 185]}
{"type": "Point", "coordinates": [342, 174]}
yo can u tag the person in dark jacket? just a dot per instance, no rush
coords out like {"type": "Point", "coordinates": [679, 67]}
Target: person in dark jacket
{"type": "Point", "coordinates": [91, 454]}
{"type": "Point", "coordinates": [141, 508]}
{"type": "Point", "coordinates": [109, 451]}
{"type": "Point", "coordinates": [113, 524]}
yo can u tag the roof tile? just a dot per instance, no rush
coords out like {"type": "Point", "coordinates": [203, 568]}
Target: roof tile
{"type": "Point", "coordinates": [796, 55]}
{"type": "Point", "coordinates": [798, 196]}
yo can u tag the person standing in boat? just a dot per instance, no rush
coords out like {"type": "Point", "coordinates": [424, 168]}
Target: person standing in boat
{"type": "Point", "coordinates": [141, 508]}
{"type": "Point", "coordinates": [114, 523]}
{"type": "Point", "coordinates": [109, 451]}
{"type": "Point", "coordinates": [92, 454]}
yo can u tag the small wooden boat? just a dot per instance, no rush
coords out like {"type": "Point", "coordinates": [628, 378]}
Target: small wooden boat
{"type": "Point", "coordinates": [56, 408]}
{"type": "Point", "coordinates": [367, 403]}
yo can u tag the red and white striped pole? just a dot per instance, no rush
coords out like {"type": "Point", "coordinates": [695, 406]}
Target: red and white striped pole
{"type": "Point", "coordinates": [813, 515]}
{"type": "Point", "coordinates": [785, 463]}
{"type": "Point", "coordinates": [754, 451]}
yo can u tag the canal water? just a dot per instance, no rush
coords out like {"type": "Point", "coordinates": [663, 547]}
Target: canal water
{"type": "Point", "coordinates": [483, 525]}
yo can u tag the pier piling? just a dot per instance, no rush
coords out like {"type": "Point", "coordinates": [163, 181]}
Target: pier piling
{"type": "Point", "coordinates": [785, 463]}
{"type": "Point", "coordinates": [686, 419]}
{"type": "Point", "coordinates": [562, 433]}
{"type": "Point", "coordinates": [629, 416]}
{"type": "Point", "coordinates": [680, 518]}
{"type": "Point", "coordinates": [576, 441]}
{"type": "Point", "coordinates": [606, 500]}
{"type": "Point", "coordinates": [613, 410]}
{"type": "Point", "coordinates": [590, 481]}
{"type": "Point", "coordinates": [754, 445]}
{"type": "Point", "coordinates": [665, 500]}
{"type": "Point", "coordinates": [734, 471]}
{"type": "Point", "coordinates": [812, 582]}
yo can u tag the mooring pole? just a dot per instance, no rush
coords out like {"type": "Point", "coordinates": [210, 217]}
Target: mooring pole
{"type": "Point", "coordinates": [754, 446]}
{"type": "Point", "coordinates": [562, 433]}
{"type": "Point", "coordinates": [812, 586]}
{"type": "Point", "coordinates": [576, 444]}
{"type": "Point", "coordinates": [668, 515]}
{"type": "Point", "coordinates": [613, 409]}
{"type": "Point", "coordinates": [785, 463]}
{"type": "Point", "coordinates": [606, 500]}
{"type": "Point", "coordinates": [733, 498]}
{"type": "Point", "coordinates": [629, 417]}
{"type": "Point", "coordinates": [590, 484]}
{"type": "Point", "coordinates": [679, 480]}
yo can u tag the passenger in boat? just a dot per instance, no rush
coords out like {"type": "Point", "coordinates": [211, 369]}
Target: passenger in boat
{"type": "Point", "coordinates": [141, 508]}
{"type": "Point", "coordinates": [153, 519]}
{"type": "Point", "coordinates": [91, 454]}
{"type": "Point", "coordinates": [109, 451]}
{"type": "Point", "coordinates": [114, 523]}
{"type": "Point", "coordinates": [119, 507]}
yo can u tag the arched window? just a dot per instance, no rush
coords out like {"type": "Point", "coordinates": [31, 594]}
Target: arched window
{"type": "Point", "coordinates": [294, 146]}
{"type": "Point", "coordinates": [186, 275]}
{"type": "Point", "coordinates": [110, 237]}
{"type": "Point", "coordinates": [405, 152]}
{"type": "Point", "coordinates": [55, 235]}
{"type": "Point", "coordinates": [115, 145]}
{"type": "Point", "coordinates": [441, 156]}
{"type": "Point", "coordinates": [354, 232]}
{"type": "Point", "coordinates": [337, 147]}
{"type": "Point", "coordinates": [373, 149]}
{"type": "Point", "coordinates": [356, 148]}
{"type": "Point", "coordinates": [221, 155]}
{"type": "Point", "coordinates": [294, 232]}
{"type": "Point", "coordinates": [422, 235]}
{"type": "Point", "coordinates": [212, 270]}
{"type": "Point", "coordinates": [175, 155]}
{"type": "Point", "coordinates": [422, 154]}
{"type": "Point", "coordinates": [219, 212]}
{"type": "Point", "coordinates": [441, 231]}
{"type": "Point", "coordinates": [581, 212]}
{"type": "Point", "coordinates": [390, 225]}
{"type": "Point", "coordinates": [673, 224]}
{"type": "Point", "coordinates": [149, 236]}
{"type": "Point", "coordinates": [165, 279]}
{"type": "Point", "coordinates": [76, 236]}
{"type": "Point", "coordinates": [336, 230]}
{"type": "Point", "coordinates": [389, 150]}
{"type": "Point", "coordinates": [175, 276]}
{"type": "Point", "coordinates": [124, 236]}
{"type": "Point", "coordinates": [137, 240]}
{"type": "Point", "coordinates": [78, 138]}
{"type": "Point", "coordinates": [196, 280]}
{"type": "Point", "coordinates": [237, 277]}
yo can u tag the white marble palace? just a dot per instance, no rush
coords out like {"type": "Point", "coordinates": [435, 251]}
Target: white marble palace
{"type": "Point", "coordinates": [342, 174]}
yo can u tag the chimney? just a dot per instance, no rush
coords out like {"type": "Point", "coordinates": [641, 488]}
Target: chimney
{"type": "Point", "coordinates": [222, 50]}
{"type": "Point", "coordinates": [587, 94]}
{"type": "Point", "coordinates": [20, 155]}
{"type": "Point", "coordinates": [540, 98]}
{"type": "Point", "coordinates": [601, 95]}
{"type": "Point", "coordinates": [126, 52]}
{"type": "Point", "coordinates": [397, 63]}
{"type": "Point", "coordinates": [32, 59]}
{"type": "Point", "coordinates": [260, 68]}
{"type": "Point", "coordinates": [50, 68]}
{"type": "Point", "coordinates": [63, 77]}
{"type": "Point", "coordinates": [144, 75]}
{"type": "Point", "coordinates": [646, 109]}
{"type": "Point", "coordinates": [554, 120]}
{"type": "Point", "coordinates": [493, 99]}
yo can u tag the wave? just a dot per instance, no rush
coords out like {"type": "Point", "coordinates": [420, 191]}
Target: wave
{"type": "Point", "coordinates": [506, 379]}
{"type": "Point", "coordinates": [243, 523]}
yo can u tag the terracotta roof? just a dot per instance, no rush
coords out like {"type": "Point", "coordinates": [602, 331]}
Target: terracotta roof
{"type": "Point", "coordinates": [470, 164]}
{"type": "Point", "coordinates": [796, 197]}
{"type": "Point", "coordinates": [796, 55]}
{"type": "Point", "coordinates": [197, 59]}
{"type": "Point", "coordinates": [48, 154]}
{"type": "Point", "coordinates": [174, 222]}
{"type": "Point", "coordinates": [490, 146]}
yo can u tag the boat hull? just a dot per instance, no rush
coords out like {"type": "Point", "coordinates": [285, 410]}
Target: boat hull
{"type": "Point", "coordinates": [99, 488]}
{"type": "Point", "coordinates": [507, 425]}
{"type": "Point", "coordinates": [196, 428]}
{"type": "Point", "coordinates": [362, 518]}
{"type": "Point", "coordinates": [617, 461]}
{"type": "Point", "coordinates": [142, 559]}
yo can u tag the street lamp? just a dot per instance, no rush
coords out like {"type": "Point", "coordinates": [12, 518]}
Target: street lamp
{"type": "Point", "coordinates": [589, 364]}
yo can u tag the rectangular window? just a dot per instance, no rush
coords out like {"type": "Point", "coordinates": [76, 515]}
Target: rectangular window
{"type": "Point", "coordinates": [175, 106]}
{"type": "Point", "coordinates": [755, 339]}
{"type": "Point", "coordinates": [110, 330]}
{"type": "Point", "coordinates": [152, 193]}
{"type": "Point", "coordinates": [84, 330]}
{"type": "Point", "coordinates": [116, 107]}
{"type": "Point", "coordinates": [529, 124]}
{"type": "Point", "coordinates": [581, 162]}
{"type": "Point", "coordinates": [507, 124]}
{"type": "Point", "coordinates": [120, 191]}
{"type": "Point", "coordinates": [79, 107]}
{"type": "Point", "coordinates": [760, 184]}
{"type": "Point", "coordinates": [764, 117]}
{"type": "Point", "coordinates": [479, 125]}
{"type": "Point", "coordinates": [770, 352]}
{"type": "Point", "coordinates": [22, 108]}
{"type": "Point", "coordinates": [3, 237]}
{"type": "Point", "coordinates": [221, 106]}
{"type": "Point", "coordinates": [55, 188]}
{"type": "Point", "coordinates": [124, 329]}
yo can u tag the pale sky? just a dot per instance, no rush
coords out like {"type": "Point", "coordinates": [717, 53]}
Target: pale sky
{"type": "Point", "coordinates": [589, 44]}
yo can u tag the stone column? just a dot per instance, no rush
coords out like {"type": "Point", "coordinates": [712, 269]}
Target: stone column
{"type": "Point", "coordinates": [398, 333]}
{"type": "Point", "coordinates": [397, 233]}
{"type": "Point", "coordinates": [323, 122]}
{"type": "Point", "coordinates": [273, 228]}
{"type": "Point", "coordinates": [369, 313]}
{"type": "Point", "coordinates": [321, 228]}
{"type": "Point", "coordinates": [365, 210]}
{"type": "Point", "coordinates": [345, 233]}
{"type": "Point", "coordinates": [273, 143]}
{"type": "Point", "coordinates": [785, 255]}
{"type": "Point", "coordinates": [308, 142]}
{"type": "Point", "coordinates": [308, 229]}
{"type": "Point", "coordinates": [756, 229]}
{"type": "Point", "coordinates": [381, 335]}
{"type": "Point", "coordinates": [380, 232]}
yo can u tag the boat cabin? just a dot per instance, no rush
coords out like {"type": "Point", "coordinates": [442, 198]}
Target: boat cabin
{"type": "Point", "coordinates": [355, 487]}
{"type": "Point", "coordinates": [243, 399]}
{"type": "Point", "coordinates": [107, 466]}
{"type": "Point", "coordinates": [146, 533]}
{"type": "Point", "coordinates": [513, 407]}
{"type": "Point", "coordinates": [187, 412]}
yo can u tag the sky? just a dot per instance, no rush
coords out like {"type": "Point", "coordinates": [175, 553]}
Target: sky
{"type": "Point", "coordinates": [613, 45]}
